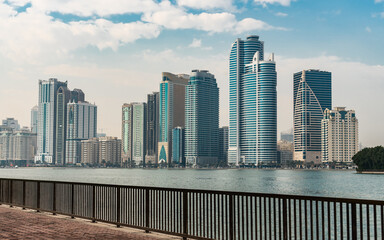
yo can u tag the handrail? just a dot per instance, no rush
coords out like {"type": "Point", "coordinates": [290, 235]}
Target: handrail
{"type": "Point", "coordinates": [201, 214]}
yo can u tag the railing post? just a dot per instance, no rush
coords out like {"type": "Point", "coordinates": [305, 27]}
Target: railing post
{"type": "Point", "coordinates": [93, 203]}
{"type": "Point", "coordinates": [54, 199]}
{"type": "Point", "coordinates": [118, 207]}
{"type": "Point", "coordinates": [354, 222]}
{"type": "Point", "coordinates": [10, 192]}
{"type": "Point", "coordinates": [147, 209]}
{"type": "Point", "coordinates": [72, 200]}
{"type": "Point", "coordinates": [24, 194]}
{"type": "Point", "coordinates": [185, 213]}
{"type": "Point", "coordinates": [285, 219]}
{"type": "Point", "coordinates": [38, 197]}
{"type": "Point", "coordinates": [231, 215]}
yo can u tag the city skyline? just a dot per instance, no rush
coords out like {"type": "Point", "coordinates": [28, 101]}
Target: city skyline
{"type": "Point", "coordinates": [113, 72]}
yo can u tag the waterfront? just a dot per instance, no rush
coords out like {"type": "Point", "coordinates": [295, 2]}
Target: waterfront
{"type": "Point", "coordinates": [328, 183]}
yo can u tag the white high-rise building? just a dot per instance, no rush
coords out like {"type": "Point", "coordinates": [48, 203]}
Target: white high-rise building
{"type": "Point", "coordinates": [339, 135]}
{"type": "Point", "coordinates": [81, 125]}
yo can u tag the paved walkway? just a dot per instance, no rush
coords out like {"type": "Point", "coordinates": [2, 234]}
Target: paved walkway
{"type": "Point", "coordinates": [28, 224]}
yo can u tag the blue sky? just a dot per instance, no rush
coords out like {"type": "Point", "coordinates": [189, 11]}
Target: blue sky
{"type": "Point", "coordinates": [116, 50]}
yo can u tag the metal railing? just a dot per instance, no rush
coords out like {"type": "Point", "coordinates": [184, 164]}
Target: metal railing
{"type": "Point", "coordinates": [202, 214]}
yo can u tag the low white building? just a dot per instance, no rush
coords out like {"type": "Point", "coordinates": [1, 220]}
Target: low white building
{"type": "Point", "coordinates": [17, 145]}
{"type": "Point", "coordinates": [339, 135]}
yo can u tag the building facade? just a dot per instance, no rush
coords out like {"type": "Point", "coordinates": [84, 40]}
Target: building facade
{"type": "Point", "coordinates": [17, 146]}
{"type": "Point", "coordinates": [139, 133]}
{"type": "Point", "coordinates": [202, 119]}
{"type": "Point", "coordinates": [109, 151]}
{"type": "Point", "coordinates": [252, 104]}
{"type": "Point", "coordinates": [171, 111]}
{"type": "Point", "coordinates": [63, 97]}
{"type": "Point", "coordinates": [223, 146]}
{"type": "Point", "coordinates": [81, 125]}
{"type": "Point", "coordinates": [126, 135]}
{"type": "Point", "coordinates": [46, 133]}
{"type": "Point", "coordinates": [90, 152]}
{"type": "Point", "coordinates": [312, 94]}
{"type": "Point", "coordinates": [104, 151]}
{"type": "Point", "coordinates": [34, 119]}
{"type": "Point", "coordinates": [287, 136]}
{"type": "Point", "coordinates": [339, 135]}
{"type": "Point", "coordinates": [284, 152]}
{"type": "Point", "coordinates": [12, 123]}
{"type": "Point", "coordinates": [152, 130]}
{"type": "Point", "coordinates": [178, 146]}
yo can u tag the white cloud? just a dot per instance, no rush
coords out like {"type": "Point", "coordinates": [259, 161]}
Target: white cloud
{"type": "Point", "coordinates": [281, 2]}
{"type": "Point", "coordinates": [31, 35]}
{"type": "Point", "coordinates": [281, 14]}
{"type": "Point", "coordinates": [34, 34]}
{"type": "Point", "coordinates": [251, 24]}
{"type": "Point", "coordinates": [368, 29]}
{"type": "Point", "coordinates": [175, 18]}
{"type": "Point", "coordinates": [196, 43]}
{"type": "Point", "coordinates": [100, 8]}
{"type": "Point", "coordinates": [379, 1]}
{"type": "Point", "coordinates": [204, 4]}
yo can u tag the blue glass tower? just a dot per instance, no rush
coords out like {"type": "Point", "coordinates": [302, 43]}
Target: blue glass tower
{"type": "Point", "coordinates": [312, 94]}
{"type": "Point", "coordinates": [252, 104]}
{"type": "Point", "coordinates": [202, 119]}
{"type": "Point", "coordinates": [178, 136]}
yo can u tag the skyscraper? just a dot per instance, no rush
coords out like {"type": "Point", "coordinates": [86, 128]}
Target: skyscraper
{"type": "Point", "coordinates": [126, 135]}
{"type": "Point", "coordinates": [138, 132]}
{"type": "Point", "coordinates": [178, 146]}
{"type": "Point", "coordinates": [252, 104]}
{"type": "Point", "coordinates": [152, 127]}
{"type": "Point", "coordinates": [63, 97]}
{"type": "Point", "coordinates": [202, 119]}
{"type": "Point", "coordinates": [46, 134]}
{"type": "Point", "coordinates": [223, 146]}
{"type": "Point", "coordinates": [171, 111]}
{"type": "Point", "coordinates": [81, 125]}
{"type": "Point", "coordinates": [34, 119]}
{"type": "Point", "coordinates": [312, 94]}
{"type": "Point", "coordinates": [339, 135]}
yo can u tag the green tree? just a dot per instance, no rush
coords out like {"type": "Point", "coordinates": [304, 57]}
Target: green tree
{"type": "Point", "coordinates": [370, 159]}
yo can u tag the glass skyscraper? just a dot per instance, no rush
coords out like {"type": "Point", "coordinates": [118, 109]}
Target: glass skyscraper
{"type": "Point", "coordinates": [152, 127]}
{"type": "Point", "coordinates": [138, 132]}
{"type": "Point", "coordinates": [202, 119]}
{"type": "Point", "coordinates": [46, 133]}
{"type": "Point", "coordinates": [171, 111]}
{"type": "Point", "coordinates": [178, 146]}
{"type": "Point", "coordinates": [312, 94]}
{"type": "Point", "coordinates": [252, 104]}
{"type": "Point", "coordinates": [34, 118]}
{"type": "Point", "coordinates": [126, 135]}
{"type": "Point", "coordinates": [81, 125]}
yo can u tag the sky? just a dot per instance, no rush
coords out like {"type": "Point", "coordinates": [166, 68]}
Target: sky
{"type": "Point", "coordinates": [116, 50]}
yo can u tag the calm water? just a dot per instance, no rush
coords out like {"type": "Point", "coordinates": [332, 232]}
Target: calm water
{"type": "Point", "coordinates": [302, 182]}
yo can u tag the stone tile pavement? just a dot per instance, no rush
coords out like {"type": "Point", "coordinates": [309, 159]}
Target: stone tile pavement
{"type": "Point", "coordinates": [16, 223]}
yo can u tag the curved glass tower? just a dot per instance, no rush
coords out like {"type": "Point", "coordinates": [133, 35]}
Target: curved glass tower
{"type": "Point", "coordinates": [311, 96]}
{"type": "Point", "coordinates": [252, 104]}
{"type": "Point", "coordinates": [202, 119]}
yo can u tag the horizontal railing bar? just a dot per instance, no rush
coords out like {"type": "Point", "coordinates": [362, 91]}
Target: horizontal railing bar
{"type": "Point", "coordinates": [272, 195]}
